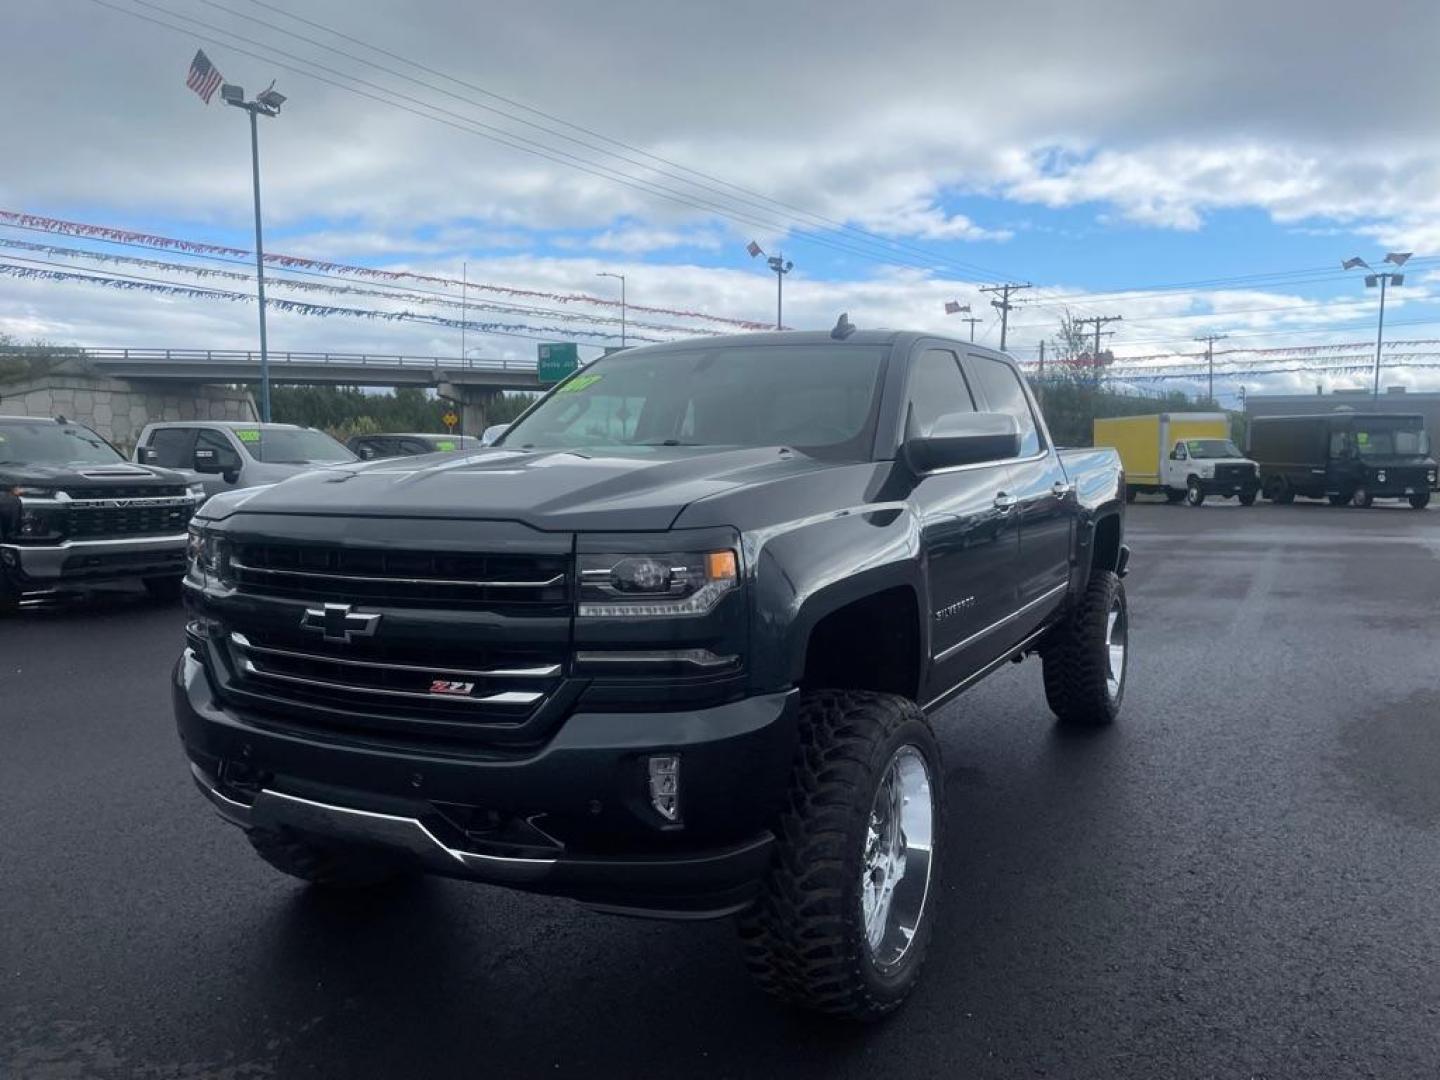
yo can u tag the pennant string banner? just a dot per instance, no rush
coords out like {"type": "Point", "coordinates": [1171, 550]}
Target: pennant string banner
{"type": "Point", "coordinates": [297, 307]}
{"type": "Point", "coordinates": [104, 232]}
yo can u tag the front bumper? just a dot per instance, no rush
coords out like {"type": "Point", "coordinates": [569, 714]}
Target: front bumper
{"type": "Point", "coordinates": [1212, 486]}
{"type": "Point", "coordinates": [581, 795]}
{"type": "Point", "coordinates": [80, 562]}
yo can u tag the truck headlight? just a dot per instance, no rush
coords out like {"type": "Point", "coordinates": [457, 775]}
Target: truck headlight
{"type": "Point", "coordinates": [1431, 476]}
{"type": "Point", "coordinates": [689, 583]}
{"type": "Point", "coordinates": [206, 553]}
{"type": "Point", "coordinates": [1380, 476]}
{"type": "Point", "coordinates": [38, 525]}
{"type": "Point", "coordinates": [197, 491]}
{"type": "Point", "coordinates": [1207, 470]}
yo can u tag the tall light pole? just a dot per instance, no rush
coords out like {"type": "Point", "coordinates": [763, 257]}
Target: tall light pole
{"type": "Point", "coordinates": [266, 103]}
{"type": "Point", "coordinates": [621, 277]}
{"type": "Point", "coordinates": [1381, 278]}
{"type": "Point", "coordinates": [781, 267]}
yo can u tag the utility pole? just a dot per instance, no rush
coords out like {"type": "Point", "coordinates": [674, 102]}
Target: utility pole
{"type": "Point", "coordinates": [621, 279]}
{"type": "Point", "coordinates": [464, 289]}
{"type": "Point", "coordinates": [972, 320]}
{"type": "Point", "coordinates": [781, 268]}
{"type": "Point", "coordinates": [1040, 379]}
{"type": "Point", "coordinates": [1003, 305]}
{"type": "Point", "coordinates": [1209, 340]}
{"type": "Point", "coordinates": [1098, 321]}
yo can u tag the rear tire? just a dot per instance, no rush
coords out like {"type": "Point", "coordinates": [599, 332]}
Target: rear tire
{"type": "Point", "coordinates": [1194, 493]}
{"type": "Point", "coordinates": [166, 589]}
{"type": "Point", "coordinates": [865, 760]}
{"type": "Point", "coordinates": [1087, 656]}
{"type": "Point", "coordinates": [1173, 497]}
{"type": "Point", "coordinates": [1247, 498]}
{"type": "Point", "coordinates": [1362, 498]}
{"type": "Point", "coordinates": [1419, 500]}
{"type": "Point", "coordinates": [328, 864]}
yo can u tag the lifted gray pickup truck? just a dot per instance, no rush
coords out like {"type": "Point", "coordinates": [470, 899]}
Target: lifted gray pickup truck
{"type": "Point", "coordinates": [670, 647]}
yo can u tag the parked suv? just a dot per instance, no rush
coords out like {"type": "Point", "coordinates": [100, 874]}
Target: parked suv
{"type": "Point", "coordinates": [74, 513]}
{"type": "Point", "coordinates": [408, 444]}
{"type": "Point", "coordinates": [670, 648]}
{"type": "Point", "coordinates": [224, 455]}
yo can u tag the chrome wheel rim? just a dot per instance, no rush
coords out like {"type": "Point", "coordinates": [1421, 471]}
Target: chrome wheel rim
{"type": "Point", "coordinates": [1116, 639]}
{"type": "Point", "coordinates": [899, 854]}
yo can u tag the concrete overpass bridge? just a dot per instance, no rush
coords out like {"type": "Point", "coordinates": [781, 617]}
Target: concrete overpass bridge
{"type": "Point", "coordinates": [187, 381]}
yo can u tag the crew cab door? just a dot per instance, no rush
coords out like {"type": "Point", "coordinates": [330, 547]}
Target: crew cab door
{"type": "Point", "coordinates": [1045, 499]}
{"type": "Point", "coordinates": [969, 532]}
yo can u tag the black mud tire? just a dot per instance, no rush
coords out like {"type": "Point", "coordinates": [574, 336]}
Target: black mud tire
{"type": "Point", "coordinates": [1362, 498]}
{"type": "Point", "coordinates": [327, 864]}
{"type": "Point", "coordinates": [1419, 501]}
{"type": "Point", "coordinates": [1247, 498]}
{"type": "Point", "coordinates": [1194, 493]}
{"type": "Point", "coordinates": [167, 590]}
{"type": "Point", "coordinates": [1077, 659]}
{"type": "Point", "coordinates": [804, 940]}
{"type": "Point", "coordinates": [1173, 497]}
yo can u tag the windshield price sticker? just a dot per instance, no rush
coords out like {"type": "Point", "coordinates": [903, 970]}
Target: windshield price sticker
{"type": "Point", "coordinates": [444, 444]}
{"type": "Point", "coordinates": [580, 382]}
{"type": "Point", "coordinates": [1363, 438]}
{"type": "Point", "coordinates": [248, 435]}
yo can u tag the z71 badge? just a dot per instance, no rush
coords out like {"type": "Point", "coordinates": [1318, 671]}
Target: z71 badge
{"type": "Point", "coordinates": [441, 686]}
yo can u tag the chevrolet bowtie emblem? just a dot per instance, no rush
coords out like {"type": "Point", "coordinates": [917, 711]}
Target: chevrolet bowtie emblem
{"type": "Point", "coordinates": [338, 623]}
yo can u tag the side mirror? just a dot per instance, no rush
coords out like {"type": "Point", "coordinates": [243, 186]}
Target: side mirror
{"type": "Point", "coordinates": [964, 439]}
{"type": "Point", "coordinates": [212, 462]}
{"type": "Point", "coordinates": [493, 432]}
{"type": "Point", "coordinates": [146, 455]}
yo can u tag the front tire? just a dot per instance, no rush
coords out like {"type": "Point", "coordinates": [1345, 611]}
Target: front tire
{"type": "Point", "coordinates": [1362, 498]}
{"type": "Point", "coordinates": [1247, 498]}
{"type": "Point", "coordinates": [328, 864]}
{"type": "Point", "coordinates": [845, 912]}
{"type": "Point", "coordinates": [1088, 655]}
{"type": "Point", "coordinates": [1173, 497]}
{"type": "Point", "coordinates": [1419, 500]}
{"type": "Point", "coordinates": [1194, 493]}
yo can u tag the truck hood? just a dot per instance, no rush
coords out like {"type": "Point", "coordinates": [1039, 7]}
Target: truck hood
{"type": "Point", "coordinates": [637, 489]}
{"type": "Point", "coordinates": [59, 477]}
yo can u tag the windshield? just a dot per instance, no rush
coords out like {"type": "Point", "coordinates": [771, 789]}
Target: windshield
{"type": "Point", "coordinates": [1212, 448]}
{"type": "Point", "coordinates": [292, 446]}
{"type": "Point", "coordinates": [1391, 438]}
{"type": "Point", "coordinates": [54, 444]}
{"type": "Point", "coordinates": [818, 398]}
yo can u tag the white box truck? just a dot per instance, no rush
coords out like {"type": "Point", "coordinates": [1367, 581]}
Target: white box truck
{"type": "Point", "coordinates": [1181, 456]}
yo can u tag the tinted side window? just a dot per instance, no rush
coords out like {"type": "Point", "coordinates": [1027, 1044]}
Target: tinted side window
{"type": "Point", "coordinates": [224, 452]}
{"type": "Point", "coordinates": [172, 447]}
{"type": "Point", "coordinates": [937, 388]}
{"type": "Point", "coordinates": [1003, 393]}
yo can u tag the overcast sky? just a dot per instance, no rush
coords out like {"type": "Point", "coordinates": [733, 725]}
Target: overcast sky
{"type": "Point", "coordinates": [1096, 149]}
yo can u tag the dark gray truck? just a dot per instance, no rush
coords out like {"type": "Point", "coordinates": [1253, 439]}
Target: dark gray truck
{"type": "Point", "coordinates": [670, 647]}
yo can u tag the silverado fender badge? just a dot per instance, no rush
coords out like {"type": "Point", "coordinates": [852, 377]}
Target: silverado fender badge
{"type": "Point", "coordinates": [337, 622]}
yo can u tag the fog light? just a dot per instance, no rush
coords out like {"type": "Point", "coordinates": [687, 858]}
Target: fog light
{"type": "Point", "coordinates": [665, 785]}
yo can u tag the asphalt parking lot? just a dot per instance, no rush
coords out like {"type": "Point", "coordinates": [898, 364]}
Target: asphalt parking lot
{"type": "Point", "coordinates": [1241, 879]}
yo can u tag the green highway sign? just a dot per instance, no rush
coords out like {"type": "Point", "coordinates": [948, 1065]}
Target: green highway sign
{"type": "Point", "coordinates": [558, 360]}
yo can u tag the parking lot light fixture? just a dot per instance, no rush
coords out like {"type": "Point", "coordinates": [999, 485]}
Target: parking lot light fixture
{"type": "Point", "coordinates": [1380, 278]}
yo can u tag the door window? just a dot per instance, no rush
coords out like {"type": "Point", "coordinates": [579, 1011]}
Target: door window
{"type": "Point", "coordinates": [1180, 452]}
{"type": "Point", "coordinates": [225, 454]}
{"type": "Point", "coordinates": [937, 388]}
{"type": "Point", "coordinates": [171, 448]}
{"type": "Point", "coordinates": [1003, 393]}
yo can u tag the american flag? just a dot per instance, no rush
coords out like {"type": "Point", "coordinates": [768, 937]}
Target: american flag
{"type": "Point", "coordinates": [203, 77]}
{"type": "Point", "coordinates": [951, 307]}
{"type": "Point", "coordinates": [754, 249]}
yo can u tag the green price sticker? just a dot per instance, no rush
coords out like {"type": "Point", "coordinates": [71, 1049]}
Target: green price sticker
{"type": "Point", "coordinates": [1363, 438]}
{"type": "Point", "coordinates": [248, 435]}
{"type": "Point", "coordinates": [580, 382]}
{"type": "Point", "coordinates": [444, 444]}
